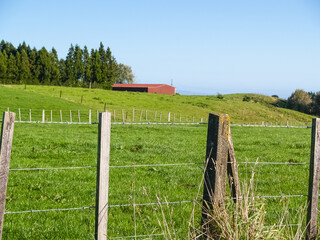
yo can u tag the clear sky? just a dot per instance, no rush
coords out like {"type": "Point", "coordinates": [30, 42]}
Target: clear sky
{"type": "Point", "coordinates": [205, 46]}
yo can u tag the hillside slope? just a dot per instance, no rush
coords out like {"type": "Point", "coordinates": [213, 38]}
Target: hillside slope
{"type": "Point", "coordinates": [258, 108]}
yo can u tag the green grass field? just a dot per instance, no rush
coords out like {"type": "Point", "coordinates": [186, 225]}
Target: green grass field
{"type": "Point", "coordinates": [61, 145]}
{"type": "Point", "coordinates": [191, 108]}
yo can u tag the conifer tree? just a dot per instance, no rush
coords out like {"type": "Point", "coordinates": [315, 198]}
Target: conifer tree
{"type": "Point", "coordinates": [87, 67]}
{"type": "Point", "coordinates": [78, 64]}
{"type": "Point", "coordinates": [55, 71]}
{"type": "Point", "coordinates": [96, 67]}
{"type": "Point", "coordinates": [24, 68]}
{"type": "Point", "coordinates": [44, 66]}
{"type": "Point", "coordinates": [111, 69]}
{"type": "Point", "coordinates": [70, 69]}
{"type": "Point", "coordinates": [3, 65]}
{"type": "Point", "coordinates": [12, 69]}
{"type": "Point", "coordinates": [34, 66]}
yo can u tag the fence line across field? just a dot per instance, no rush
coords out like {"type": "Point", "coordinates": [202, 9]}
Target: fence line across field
{"type": "Point", "coordinates": [128, 116]}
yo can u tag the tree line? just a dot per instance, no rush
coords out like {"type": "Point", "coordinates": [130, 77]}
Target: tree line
{"type": "Point", "coordinates": [97, 69]}
{"type": "Point", "coordinates": [306, 102]}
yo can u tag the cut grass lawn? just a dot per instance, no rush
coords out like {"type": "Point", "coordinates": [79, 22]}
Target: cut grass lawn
{"type": "Point", "coordinates": [61, 145]}
{"type": "Point", "coordinates": [258, 108]}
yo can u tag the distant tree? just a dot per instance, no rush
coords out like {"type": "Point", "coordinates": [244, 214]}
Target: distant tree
{"type": "Point", "coordinates": [3, 66]}
{"type": "Point", "coordinates": [55, 71]}
{"type": "Point", "coordinates": [44, 66]}
{"type": "Point", "coordinates": [35, 72]}
{"type": "Point", "coordinates": [96, 67]}
{"type": "Point", "coordinates": [63, 73]}
{"type": "Point", "coordinates": [12, 69]}
{"type": "Point", "coordinates": [104, 63]}
{"type": "Point", "coordinates": [125, 74]}
{"type": "Point", "coordinates": [300, 101]}
{"type": "Point", "coordinates": [87, 67]}
{"type": "Point", "coordinates": [70, 68]}
{"type": "Point", "coordinates": [78, 64]}
{"type": "Point", "coordinates": [24, 68]}
{"type": "Point", "coordinates": [111, 70]}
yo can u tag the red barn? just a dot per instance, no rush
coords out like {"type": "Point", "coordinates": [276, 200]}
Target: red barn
{"type": "Point", "coordinates": [150, 88]}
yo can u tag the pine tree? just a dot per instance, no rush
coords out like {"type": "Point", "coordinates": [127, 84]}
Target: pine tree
{"type": "Point", "coordinates": [111, 70]}
{"type": "Point", "coordinates": [104, 64]}
{"type": "Point", "coordinates": [35, 72]}
{"type": "Point", "coordinates": [12, 69]}
{"type": "Point", "coordinates": [78, 64]}
{"type": "Point", "coordinates": [87, 67]}
{"type": "Point", "coordinates": [70, 69]}
{"type": "Point", "coordinates": [44, 66]}
{"type": "Point", "coordinates": [96, 67]}
{"type": "Point", "coordinates": [3, 65]}
{"type": "Point", "coordinates": [24, 73]}
{"type": "Point", "coordinates": [55, 72]}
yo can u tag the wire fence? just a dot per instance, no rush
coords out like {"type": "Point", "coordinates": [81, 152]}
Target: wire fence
{"type": "Point", "coordinates": [156, 165]}
{"type": "Point", "coordinates": [129, 116]}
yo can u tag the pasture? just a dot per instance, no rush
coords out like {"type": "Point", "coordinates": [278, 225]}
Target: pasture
{"type": "Point", "coordinates": [62, 146]}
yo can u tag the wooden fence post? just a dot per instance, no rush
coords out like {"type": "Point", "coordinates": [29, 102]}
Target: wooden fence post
{"type": "Point", "coordinates": [114, 115]}
{"type": "Point", "coordinates": [19, 114]}
{"type": "Point", "coordinates": [155, 116]}
{"type": "Point", "coordinates": [79, 116]}
{"type": "Point", "coordinates": [160, 116]}
{"type": "Point", "coordinates": [101, 214]}
{"type": "Point", "coordinates": [132, 114]}
{"type": "Point", "coordinates": [70, 116]}
{"type": "Point", "coordinates": [216, 166]}
{"type": "Point", "coordinates": [122, 115]}
{"type": "Point", "coordinates": [51, 115]}
{"type": "Point", "coordinates": [43, 116]}
{"type": "Point", "coordinates": [89, 116]}
{"type": "Point", "coordinates": [5, 154]}
{"type": "Point", "coordinates": [169, 117]}
{"type": "Point", "coordinates": [314, 171]}
{"type": "Point", "coordinates": [60, 115]}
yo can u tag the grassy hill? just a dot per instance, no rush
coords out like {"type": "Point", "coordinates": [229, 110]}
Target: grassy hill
{"type": "Point", "coordinates": [257, 108]}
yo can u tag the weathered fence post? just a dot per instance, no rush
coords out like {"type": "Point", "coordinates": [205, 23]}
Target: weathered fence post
{"type": "Point", "coordinates": [219, 150]}
{"type": "Point", "coordinates": [89, 116]}
{"type": "Point", "coordinates": [51, 115]}
{"type": "Point", "coordinates": [60, 115]}
{"type": "Point", "coordinates": [169, 117]}
{"type": "Point", "coordinates": [155, 116]}
{"type": "Point", "coordinates": [43, 116]}
{"type": "Point", "coordinates": [101, 214]}
{"type": "Point", "coordinates": [79, 116]}
{"type": "Point", "coordinates": [314, 172]}
{"type": "Point", "coordinates": [5, 154]}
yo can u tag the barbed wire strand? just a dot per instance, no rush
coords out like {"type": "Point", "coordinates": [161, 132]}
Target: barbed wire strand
{"type": "Point", "coordinates": [151, 165]}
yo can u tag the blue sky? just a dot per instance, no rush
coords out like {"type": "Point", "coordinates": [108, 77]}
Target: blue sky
{"type": "Point", "coordinates": [205, 46]}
